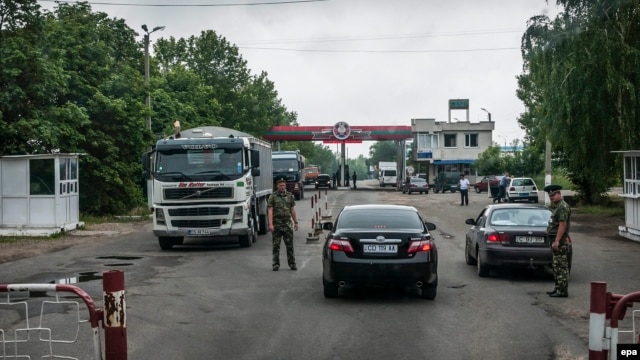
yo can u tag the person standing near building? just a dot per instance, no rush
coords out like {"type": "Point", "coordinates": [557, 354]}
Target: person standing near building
{"type": "Point", "coordinates": [353, 178]}
{"type": "Point", "coordinates": [558, 233]}
{"type": "Point", "coordinates": [463, 185]}
{"type": "Point", "coordinates": [281, 209]}
{"type": "Point", "coordinates": [502, 187]}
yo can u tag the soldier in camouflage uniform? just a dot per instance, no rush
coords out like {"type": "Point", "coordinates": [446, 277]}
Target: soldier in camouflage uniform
{"type": "Point", "coordinates": [281, 209]}
{"type": "Point", "coordinates": [558, 232]}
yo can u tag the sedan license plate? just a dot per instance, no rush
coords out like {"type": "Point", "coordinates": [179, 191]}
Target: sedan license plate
{"type": "Point", "coordinates": [379, 249]}
{"type": "Point", "coordinates": [530, 239]}
{"type": "Point", "coordinates": [523, 194]}
{"type": "Point", "coordinates": [199, 232]}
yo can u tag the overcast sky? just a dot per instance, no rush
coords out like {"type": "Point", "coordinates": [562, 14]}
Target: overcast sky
{"type": "Point", "coordinates": [366, 62]}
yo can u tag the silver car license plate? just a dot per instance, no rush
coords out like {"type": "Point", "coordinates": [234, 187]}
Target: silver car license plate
{"type": "Point", "coordinates": [530, 239]}
{"type": "Point", "coordinates": [379, 249]}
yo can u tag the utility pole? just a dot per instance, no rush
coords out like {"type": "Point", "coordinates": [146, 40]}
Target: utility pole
{"type": "Point", "coordinates": [146, 68]}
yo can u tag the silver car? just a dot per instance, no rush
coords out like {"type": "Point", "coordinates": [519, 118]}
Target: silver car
{"type": "Point", "coordinates": [522, 188]}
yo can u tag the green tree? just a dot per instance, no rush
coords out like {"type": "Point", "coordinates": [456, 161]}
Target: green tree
{"type": "Point", "coordinates": [383, 151]}
{"type": "Point", "coordinates": [490, 161]}
{"type": "Point", "coordinates": [205, 81]}
{"type": "Point", "coordinates": [580, 86]}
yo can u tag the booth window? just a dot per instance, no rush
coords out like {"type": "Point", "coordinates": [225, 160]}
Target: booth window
{"type": "Point", "coordinates": [42, 177]}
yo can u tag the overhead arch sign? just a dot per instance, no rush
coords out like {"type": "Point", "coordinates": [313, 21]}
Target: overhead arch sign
{"type": "Point", "coordinates": [338, 133]}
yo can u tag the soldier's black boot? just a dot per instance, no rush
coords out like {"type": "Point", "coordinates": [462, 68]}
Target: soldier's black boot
{"type": "Point", "coordinates": [552, 291]}
{"type": "Point", "coordinates": [558, 294]}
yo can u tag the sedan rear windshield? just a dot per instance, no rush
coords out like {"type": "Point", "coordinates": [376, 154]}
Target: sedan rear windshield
{"type": "Point", "coordinates": [380, 219]}
{"type": "Point", "coordinates": [521, 217]}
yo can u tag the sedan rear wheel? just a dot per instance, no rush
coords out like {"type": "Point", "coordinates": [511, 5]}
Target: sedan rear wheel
{"type": "Point", "coordinates": [478, 190]}
{"type": "Point", "coordinates": [429, 292]}
{"type": "Point", "coordinates": [483, 269]}
{"type": "Point", "coordinates": [467, 257]}
{"type": "Point", "coordinates": [330, 289]}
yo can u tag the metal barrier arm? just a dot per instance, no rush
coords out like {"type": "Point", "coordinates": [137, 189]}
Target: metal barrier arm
{"type": "Point", "coordinates": [94, 314]}
{"type": "Point", "coordinates": [618, 313]}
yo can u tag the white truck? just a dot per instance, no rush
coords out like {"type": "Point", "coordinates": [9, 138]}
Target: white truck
{"type": "Point", "coordinates": [209, 182]}
{"type": "Point", "coordinates": [388, 173]}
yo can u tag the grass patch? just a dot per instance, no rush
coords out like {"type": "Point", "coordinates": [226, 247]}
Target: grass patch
{"type": "Point", "coordinates": [601, 210]}
{"type": "Point", "coordinates": [138, 214]}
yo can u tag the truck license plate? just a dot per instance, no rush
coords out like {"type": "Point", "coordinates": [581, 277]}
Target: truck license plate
{"type": "Point", "coordinates": [380, 249]}
{"type": "Point", "coordinates": [199, 232]}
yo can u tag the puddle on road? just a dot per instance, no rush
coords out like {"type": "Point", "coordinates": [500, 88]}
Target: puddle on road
{"type": "Point", "coordinates": [82, 277]}
{"type": "Point", "coordinates": [119, 257]}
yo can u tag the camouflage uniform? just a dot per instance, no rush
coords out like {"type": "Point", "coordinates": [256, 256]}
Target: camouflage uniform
{"type": "Point", "coordinates": [283, 228]}
{"type": "Point", "coordinates": [560, 264]}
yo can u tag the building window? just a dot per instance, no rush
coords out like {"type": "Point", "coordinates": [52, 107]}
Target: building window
{"type": "Point", "coordinates": [632, 176]}
{"type": "Point", "coordinates": [427, 141]}
{"type": "Point", "coordinates": [471, 140]}
{"type": "Point", "coordinates": [450, 140]}
{"type": "Point", "coordinates": [42, 177]}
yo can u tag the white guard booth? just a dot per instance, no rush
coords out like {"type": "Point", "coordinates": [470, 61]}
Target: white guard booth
{"type": "Point", "coordinates": [39, 194]}
{"type": "Point", "coordinates": [631, 194]}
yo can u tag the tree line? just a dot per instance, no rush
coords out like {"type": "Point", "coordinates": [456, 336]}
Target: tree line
{"type": "Point", "coordinates": [72, 81]}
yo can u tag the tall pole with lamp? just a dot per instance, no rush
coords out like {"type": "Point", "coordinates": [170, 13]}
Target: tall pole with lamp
{"type": "Point", "coordinates": [146, 68]}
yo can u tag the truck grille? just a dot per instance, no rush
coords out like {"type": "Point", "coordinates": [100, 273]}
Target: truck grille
{"type": "Point", "coordinates": [198, 193]}
{"type": "Point", "coordinates": [200, 211]}
{"type": "Point", "coordinates": [196, 223]}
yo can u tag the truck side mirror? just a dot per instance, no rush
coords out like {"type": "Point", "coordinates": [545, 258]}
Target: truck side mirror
{"type": "Point", "coordinates": [146, 165]}
{"type": "Point", "coordinates": [255, 172]}
{"type": "Point", "coordinates": [255, 159]}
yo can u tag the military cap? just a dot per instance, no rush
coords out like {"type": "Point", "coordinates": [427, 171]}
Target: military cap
{"type": "Point", "coordinates": [280, 178]}
{"type": "Point", "coordinates": [552, 188]}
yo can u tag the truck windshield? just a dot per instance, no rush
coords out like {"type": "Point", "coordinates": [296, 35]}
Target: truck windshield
{"type": "Point", "coordinates": [199, 164]}
{"type": "Point", "coordinates": [285, 165]}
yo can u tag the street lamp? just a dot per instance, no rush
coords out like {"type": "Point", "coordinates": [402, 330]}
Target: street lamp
{"type": "Point", "coordinates": [146, 68]}
{"type": "Point", "coordinates": [487, 111]}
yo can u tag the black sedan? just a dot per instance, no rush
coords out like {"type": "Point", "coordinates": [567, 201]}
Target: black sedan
{"type": "Point", "coordinates": [323, 180]}
{"type": "Point", "coordinates": [509, 235]}
{"type": "Point", "coordinates": [379, 245]}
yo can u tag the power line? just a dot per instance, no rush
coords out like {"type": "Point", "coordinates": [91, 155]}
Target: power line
{"type": "Point", "coordinates": [378, 51]}
{"type": "Point", "coordinates": [188, 5]}
{"type": "Point", "coordinates": [383, 37]}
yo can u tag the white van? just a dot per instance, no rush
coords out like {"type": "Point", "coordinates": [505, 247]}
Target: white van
{"type": "Point", "coordinates": [388, 177]}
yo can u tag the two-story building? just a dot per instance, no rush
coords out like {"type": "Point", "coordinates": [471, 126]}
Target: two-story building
{"type": "Point", "coordinates": [450, 146]}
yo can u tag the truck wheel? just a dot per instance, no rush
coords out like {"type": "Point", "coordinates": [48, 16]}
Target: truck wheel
{"type": "Point", "coordinates": [263, 224]}
{"type": "Point", "coordinates": [166, 243]}
{"type": "Point", "coordinates": [245, 241]}
{"type": "Point", "coordinates": [298, 196]}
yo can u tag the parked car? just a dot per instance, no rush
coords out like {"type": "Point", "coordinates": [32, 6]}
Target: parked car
{"type": "Point", "coordinates": [415, 184]}
{"type": "Point", "coordinates": [522, 188]}
{"type": "Point", "coordinates": [323, 180]}
{"type": "Point", "coordinates": [509, 235]}
{"type": "Point", "coordinates": [446, 181]}
{"type": "Point", "coordinates": [379, 245]}
{"type": "Point", "coordinates": [487, 182]}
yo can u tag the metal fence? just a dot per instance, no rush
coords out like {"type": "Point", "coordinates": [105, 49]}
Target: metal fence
{"type": "Point", "coordinates": [60, 321]}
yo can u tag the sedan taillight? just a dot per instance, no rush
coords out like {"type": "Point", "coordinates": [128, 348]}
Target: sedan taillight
{"type": "Point", "coordinates": [419, 244]}
{"type": "Point", "coordinates": [498, 238]}
{"type": "Point", "coordinates": [340, 244]}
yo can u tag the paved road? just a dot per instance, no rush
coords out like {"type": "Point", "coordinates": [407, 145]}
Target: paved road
{"type": "Point", "coordinates": [204, 301]}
